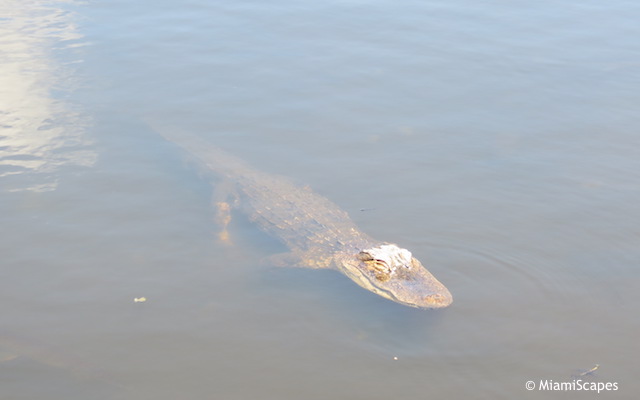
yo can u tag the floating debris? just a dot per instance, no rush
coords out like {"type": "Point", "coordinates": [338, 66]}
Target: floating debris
{"type": "Point", "coordinates": [587, 374]}
{"type": "Point", "coordinates": [589, 371]}
{"type": "Point", "coordinates": [139, 299]}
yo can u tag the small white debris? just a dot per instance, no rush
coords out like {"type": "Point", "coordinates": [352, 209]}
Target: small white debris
{"type": "Point", "coordinates": [395, 358]}
{"type": "Point", "coordinates": [139, 299]}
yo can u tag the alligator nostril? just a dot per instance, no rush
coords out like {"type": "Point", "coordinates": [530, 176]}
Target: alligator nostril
{"type": "Point", "coordinates": [434, 298]}
{"type": "Point", "coordinates": [437, 300]}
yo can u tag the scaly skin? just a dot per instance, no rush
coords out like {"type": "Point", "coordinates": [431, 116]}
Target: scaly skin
{"type": "Point", "coordinates": [318, 233]}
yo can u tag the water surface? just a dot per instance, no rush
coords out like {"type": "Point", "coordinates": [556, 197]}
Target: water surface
{"type": "Point", "coordinates": [496, 141]}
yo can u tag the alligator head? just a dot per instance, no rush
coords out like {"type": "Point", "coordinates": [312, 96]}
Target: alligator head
{"type": "Point", "coordinates": [393, 273]}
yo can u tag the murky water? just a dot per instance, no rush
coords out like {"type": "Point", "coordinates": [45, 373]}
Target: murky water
{"type": "Point", "coordinates": [497, 141]}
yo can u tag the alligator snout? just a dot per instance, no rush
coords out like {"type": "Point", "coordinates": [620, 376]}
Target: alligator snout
{"type": "Point", "coordinates": [437, 300]}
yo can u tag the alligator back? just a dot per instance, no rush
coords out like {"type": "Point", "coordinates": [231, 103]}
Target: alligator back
{"type": "Point", "coordinates": [301, 219]}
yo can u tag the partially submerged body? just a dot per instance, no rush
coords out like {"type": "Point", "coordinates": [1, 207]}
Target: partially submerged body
{"type": "Point", "coordinates": [317, 232]}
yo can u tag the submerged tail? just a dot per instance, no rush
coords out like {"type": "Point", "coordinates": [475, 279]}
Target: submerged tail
{"type": "Point", "coordinates": [202, 151]}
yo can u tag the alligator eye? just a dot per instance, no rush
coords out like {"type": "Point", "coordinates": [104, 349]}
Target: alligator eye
{"type": "Point", "coordinates": [364, 256]}
{"type": "Point", "coordinates": [382, 276]}
{"type": "Point", "coordinates": [376, 265]}
{"type": "Point", "coordinates": [380, 270]}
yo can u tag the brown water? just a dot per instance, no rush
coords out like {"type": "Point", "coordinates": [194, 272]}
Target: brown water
{"type": "Point", "coordinates": [497, 141]}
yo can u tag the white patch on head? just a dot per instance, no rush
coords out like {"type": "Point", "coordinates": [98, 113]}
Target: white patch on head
{"type": "Point", "coordinates": [392, 255]}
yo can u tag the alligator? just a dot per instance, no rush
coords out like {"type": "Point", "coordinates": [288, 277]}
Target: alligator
{"type": "Point", "coordinates": [316, 231]}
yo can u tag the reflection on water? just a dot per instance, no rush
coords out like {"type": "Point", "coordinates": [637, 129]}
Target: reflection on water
{"type": "Point", "coordinates": [40, 130]}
